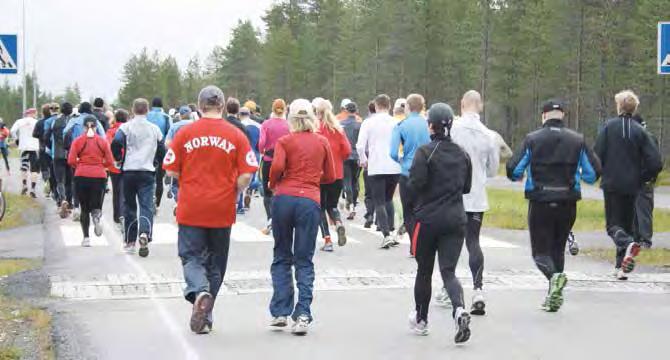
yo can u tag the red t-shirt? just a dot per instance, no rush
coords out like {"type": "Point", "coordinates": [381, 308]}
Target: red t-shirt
{"type": "Point", "coordinates": [209, 156]}
{"type": "Point", "coordinates": [301, 163]}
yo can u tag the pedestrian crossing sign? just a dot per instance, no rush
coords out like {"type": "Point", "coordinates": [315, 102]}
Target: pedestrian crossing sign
{"type": "Point", "coordinates": [664, 48]}
{"type": "Point", "coordinates": [8, 52]}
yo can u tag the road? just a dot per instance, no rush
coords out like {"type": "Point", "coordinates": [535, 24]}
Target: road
{"type": "Point", "coordinates": [109, 305]}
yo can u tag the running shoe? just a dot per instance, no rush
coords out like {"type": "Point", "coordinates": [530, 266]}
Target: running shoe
{"type": "Point", "coordinates": [419, 328]}
{"type": "Point", "coordinates": [352, 214]}
{"type": "Point", "coordinates": [387, 242]}
{"type": "Point", "coordinates": [301, 325]}
{"type": "Point", "coordinates": [573, 245]}
{"type": "Point", "coordinates": [628, 264]}
{"type": "Point", "coordinates": [241, 211]}
{"type": "Point", "coordinates": [620, 275]}
{"type": "Point", "coordinates": [462, 320]}
{"type": "Point", "coordinates": [24, 190]}
{"type": "Point", "coordinates": [144, 245]}
{"type": "Point", "coordinates": [47, 190]}
{"type": "Point", "coordinates": [402, 230]}
{"type": "Point", "coordinates": [646, 244]}
{"type": "Point", "coordinates": [478, 303]}
{"type": "Point", "coordinates": [442, 298]}
{"type": "Point", "coordinates": [268, 228]}
{"type": "Point", "coordinates": [86, 242]}
{"type": "Point", "coordinates": [97, 224]}
{"type": "Point", "coordinates": [247, 201]}
{"type": "Point", "coordinates": [328, 245]}
{"type": "Point", "coordinates": [33, 194]}
{"type": "Point", "coordinates": [555, 298]}
{"type": "Point", "coordinates": [341, 235]}
{"type": "Point", "coordinates": [64, 210]}
{"type": "Point", "coordinates": [201, 307]}
{"type": "Point", "coordinates": [368, 224]}
{"type": "Point", "coordinates": [129, 248]}
{"type": "Point", "coordinates": [278, 323]}
{"type": "Point", "coordinates": [76, 214]}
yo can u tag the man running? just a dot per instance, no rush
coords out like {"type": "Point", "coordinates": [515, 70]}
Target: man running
{"type": "Point", "coordinates": [233, 111]}
{"type": "Point", "coordinates": [475, 138]}
{"type": "Point", "coordinates": [162, 120]}
{"type": "Point", "coordinates": [99, 113]}
{"type": "Point", "coordinates": [352, 169]}
{"type": "Point", "coordinates": [644, 204]}
{"type": "Point", "coordinates": [136, 144]}
{"type": "Point", "coordinates": [630, 159]}
{"type": "Point", "coordinates": [254, 132]}
{"type": "Point", "coordinates": [375, 138]}
{"type": "Point", "coordinates": [22, 130]}
{"type": "Point", "coordinates": [44, 159]}
{"type": "Point", "coordinates": [56, 135]}
{"type": "Point", "coordinates": [213, 162]}
{"type": "Point", "coordinates": [186, 118]}
{"type": "Point", "coordinates": [369, 206]}
{"type": "Point", "coordinates": [556, 159]}
{"type": "Point", "coordinates": [440, 175]}
{"type": "Point", "coordinates": [408, 136]}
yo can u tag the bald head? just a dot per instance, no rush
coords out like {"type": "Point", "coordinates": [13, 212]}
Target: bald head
{"type": "Point", "coordinates": [472, 102]}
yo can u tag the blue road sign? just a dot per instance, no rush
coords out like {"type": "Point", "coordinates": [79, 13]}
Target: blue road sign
{"type": "Point", "coordinates": [8, 54]}
{"type": "Point", "coordinates": [664, 48]}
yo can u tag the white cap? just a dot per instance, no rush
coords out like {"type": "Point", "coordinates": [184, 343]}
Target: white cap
{"type": "Point", "coordinates": [344, 103]}
{"type": "Point", "coordinates": [172, 111]}
{"type": "Point", "coordinates": [400, 103]}
{"type": "Point", "coordinates": [301, 107]}
{"type": "Point", "coordinates": [316, 101]}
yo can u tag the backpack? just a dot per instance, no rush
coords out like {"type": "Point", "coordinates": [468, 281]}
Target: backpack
{"type": "Point", "coordinates": [57, 129]}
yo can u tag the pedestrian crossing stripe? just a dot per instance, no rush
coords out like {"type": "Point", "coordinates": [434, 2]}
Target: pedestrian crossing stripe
{"type": "Point", "coordinates": [484, 241]}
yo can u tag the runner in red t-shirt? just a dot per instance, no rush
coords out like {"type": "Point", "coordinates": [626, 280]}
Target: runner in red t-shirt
{"type": "Point", "coordinates": [213, 162]}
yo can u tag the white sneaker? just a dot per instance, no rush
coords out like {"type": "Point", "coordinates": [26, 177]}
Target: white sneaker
{"type": "Point", "coordinates": [97, 225]}
{"type": "Point", "coordinates": [76, 214]}
{"type": "Point", "coordinates": [129, 248]}
{"type": "Point", "coordinates": [86, 242]}
{"type": "Point", "coordinates": [387, 242]}
{"type": "Point", "coordinates": [144, 245]}
{"type": "Point", "coordinates": [301, 325]}
{"type": "Point", "coordinates": [442, 298]}
{"type": "Point", "coordinates": [478, 303]}
{"type": "Point", "coordinates": [620, 274]}
{"type": "Point", "coordinates": [462, 321]}
{"type": "Point", "coordinates": [278, 323]}
{"type": "Point", "coordinates": [419, 328]}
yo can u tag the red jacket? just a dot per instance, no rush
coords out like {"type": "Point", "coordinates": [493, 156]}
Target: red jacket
{"type": "Point", "coordinates": [90, 157]}
{"type": "Point", "coordinates": [339, 145]}
{"type": "Point", "coordinates": [302, 162]}
{"type": "Point", "coordinates": [110, 137]}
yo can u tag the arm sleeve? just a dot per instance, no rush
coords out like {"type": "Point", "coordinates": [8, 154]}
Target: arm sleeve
{"type": "Point", "coordinates": [600, 148]}
{"type": "Point", "coordinates": [328, 176]}
{"type": "Point", "coordinates": [345, 146]}
{"type": "Point", "coordinates": [395, 143]}
{"type": "Point", "coordinates": [278, 164]}
{"type": "Point", "coordinates": [73, 153]}
{"type": "Point", "coordinates": [418, 173]}
{"type": "Point", "coordinates": [589, 165]}
{"type": "Point", "coordinates": [517, 165]}
{"type": "Point", "coordinates": [174, 154]}
{"type": "Point", "coordinates": [15, 128]}
{"type": "Point", "coordinates": [262, 139]}
{"type": "Point", "coordinates": [467, 184]}
{"type": "Point", "coordinates": [100, 129]}
{"type": "Point", "coordinates": [38, 130]}
{"type": "Point", "coordinates": [652, 158]}
{"type": "Point", "coordinates": [118, 145]}
{"type": "Point", "coordinates": [492, 160]}
{"type": "Point", "coordinates": [362, 144]}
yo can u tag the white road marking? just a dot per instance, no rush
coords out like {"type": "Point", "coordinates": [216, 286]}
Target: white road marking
{"type": "Point", "coordinates": [72, 235]}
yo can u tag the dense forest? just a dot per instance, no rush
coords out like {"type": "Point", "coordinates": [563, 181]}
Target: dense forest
{"type": "Point", "coordinates": [516, 52]}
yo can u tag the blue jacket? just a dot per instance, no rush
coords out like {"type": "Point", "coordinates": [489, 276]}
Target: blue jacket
{"type": "Point", "coordinates": [76, 124]}
{"type": "Point", "coordinates": [411, 133]}
{"type": "Point", "coordinates": [157, 117]}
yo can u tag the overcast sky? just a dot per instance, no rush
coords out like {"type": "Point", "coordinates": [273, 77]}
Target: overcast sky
{"type": "Point", "coordinates": [88, 41]}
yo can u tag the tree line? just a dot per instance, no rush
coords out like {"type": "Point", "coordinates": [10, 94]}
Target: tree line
{"type": "Point", "coordinates": [11, 98]}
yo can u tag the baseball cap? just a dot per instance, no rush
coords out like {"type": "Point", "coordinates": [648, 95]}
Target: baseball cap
{"type": "Point", "coordinates": [400, 103]}
{"type": "Point", "coordinates": [344, 103]}
{"type": "Point", "coordinates": [553, 105]}
{"type": "Point", "coordinates": [301, 107]}
{"type": "Point", "coordinates": [184, 110]}
{"type": "Point", "coordinates": [30, 111]}
{"type": "Point", "coordinates": [351, 107]}
{"type": "Point", "coordinates": [211, 95]}
{"type": "Point", "coordinates": [317, 101]}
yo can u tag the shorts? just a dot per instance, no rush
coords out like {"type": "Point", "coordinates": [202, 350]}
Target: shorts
{"type": "Point", "coordinates": [29, 162]}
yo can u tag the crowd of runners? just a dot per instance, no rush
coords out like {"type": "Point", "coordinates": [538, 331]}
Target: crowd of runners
{"type": "Point", "coordinates": [304, 160]}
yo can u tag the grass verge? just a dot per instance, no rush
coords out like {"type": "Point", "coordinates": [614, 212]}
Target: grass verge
{"type": "Point", "coordinates": [509, 210]}
{"type": "Point", "coordinates": [21, 211]}
{"type": "Point", "coordinates": [648, 257]}
{"type": "Point", "coordinates": [25, 331]}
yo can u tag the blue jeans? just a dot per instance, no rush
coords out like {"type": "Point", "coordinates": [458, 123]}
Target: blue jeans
{"type": "Point", "coordinates": [295, 223]}
{"type": "Point", "coordinates": [138, 186]}
{"type": "Point", "coordinates": [204, 257]}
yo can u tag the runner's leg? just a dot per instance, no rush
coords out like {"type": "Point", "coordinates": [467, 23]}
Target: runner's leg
{"type": "Point", "coordinates": [391, 184]}
{"type": "Point", "coordinates": [283, 295]}
{"type": "Point", "coordinates": [424, 246]}
{"type": "Point", "coordinates": [306, 220]}
{"type": "Point", "coordinates": [449, 246]}
{"type": "Point", "coordinates": [474, 249]}
{"type": "Point", "coordinates": [218, 244]}
{"type": "Point", "coordinates": [130, 188]}
{"type": "Point", "coordinates": [541, 228]}
{"type": "Point", "coordinates": [378, 185]}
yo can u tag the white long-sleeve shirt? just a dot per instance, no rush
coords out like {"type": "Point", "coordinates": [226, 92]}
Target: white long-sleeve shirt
{"type": "Point", "coordinates": [23, 131]}
{"type": "Point", "coordinates": [375, 139]}
{"type": "Point", "coordinates": [478, 142]}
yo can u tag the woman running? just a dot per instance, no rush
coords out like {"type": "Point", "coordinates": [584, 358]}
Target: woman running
{"type": "Point", "coordinates": [271, 130]}
{"type": "Point", "coordinates": [302, 162]}
{"type": "Point", "coordinates": [331, 129]}
{"type": "Point", "coordinates": [440, 174]}
{"type": "Point", "coordinates": [90, 156]}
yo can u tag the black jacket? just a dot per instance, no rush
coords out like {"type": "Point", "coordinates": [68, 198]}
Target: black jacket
{"type": "Point", "coordinates": [233, 120]}
{"type": "Point", "coordinates": [629, 156]}
{"type": "Point", "coordinates": [102, 118]}
{"type": "Point", "coordinates": [352, 129]}
{"type": "Point", "coordinates": [557, 159]}
{"type": "Point", "coordinates": [440, 174]}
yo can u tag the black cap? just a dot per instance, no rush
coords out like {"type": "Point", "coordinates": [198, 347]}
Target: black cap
{"type": "Point", "coordinates": [98, 103]}
{"type": "Point", "coordinates": [90, 121]}
{"type": "Point", "coordinates": [351, 107]}
{"type": "Point", "coordinates": [553, 105]}
{"type": "Point", "coordinates": [441, 114]}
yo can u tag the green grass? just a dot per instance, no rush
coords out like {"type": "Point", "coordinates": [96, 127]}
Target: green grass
{"type": "Point", "coordinates": [10, 353]}
{"type": "Point", "coordinates": [21, 211]}
{"type": "Point", "coordinates": [12, 266]}
{"type": "Point", "coordinates": [509, 210]}
{"type": "Point", "coordinates": [649, 257]}
{"type": "Point", "coordinates": [663, 178]}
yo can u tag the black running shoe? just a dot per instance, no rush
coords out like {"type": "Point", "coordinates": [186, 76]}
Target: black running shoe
{"type": "Point", "coordinates": [144, 246]}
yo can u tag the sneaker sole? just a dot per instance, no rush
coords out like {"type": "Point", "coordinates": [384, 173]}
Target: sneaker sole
{"type": "Point", "coordinates": [202, 306]}
{"type": "Point", "coordinates": [478, 308]}
{"type": "Point", "coordinates": [144, 248]}
{"type": "Point", "coordinates": [341, 236]}
{"type": "Point", "coordinates": [628, 264]}
{"type": "Point", "coordinates": [299, 332]}
{"type": "Point", "coordinates": [64, 211]}
{"type": "Point", "coordinates": [97, 228]}
{"type": "Point", "coordinates": [463, 333]}
{"type": "Point", "coordinates": [556, 295]}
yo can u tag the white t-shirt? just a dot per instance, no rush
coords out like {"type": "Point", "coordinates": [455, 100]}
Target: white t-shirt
{"type": "Point", "coordinates": [375, 138]}
{"type": "Point", "coordinates": [23, 131]}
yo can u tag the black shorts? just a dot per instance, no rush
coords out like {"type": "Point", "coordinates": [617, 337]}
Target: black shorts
{"type": "Point", "coordinates": [29, 161]}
